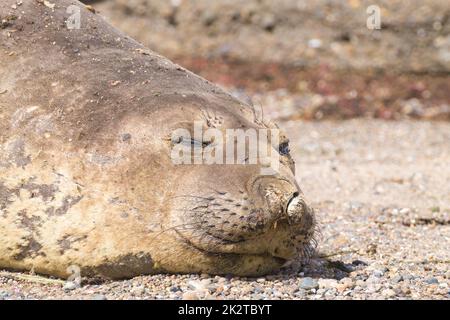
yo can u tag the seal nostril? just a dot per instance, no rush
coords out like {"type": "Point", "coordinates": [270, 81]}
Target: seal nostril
{"type": "Point", "coordinates": [291, 199]}
{"type": "Point", "coordinates": [294, 208]}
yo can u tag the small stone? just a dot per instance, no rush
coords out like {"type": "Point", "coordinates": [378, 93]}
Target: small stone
{"type": "Point", "coordinates": [174, 289]}
{"type": "Point", "coordinates": [70, 285]}
{"type": "Point", "coordinates": [321, 291]}
{"type": "Point", "coordinates": [268, 22]}
{"type": "Point", "coordinates": [432, 281]}
{"type": "Point", "coordinates": [408, 277]}
{"type": "Point", "coordinates": [373, 279]}
{"type": "Point", "coordinates": [359, 263]}
{"type": "Point", "coordinates": [206, 282]}
{"type": "Point", "coordinates": [327, 283]}
{"type": "Point", "coordinates": [360, 283]}
{"type": "Point", "coordinates": [354, 205]}
{"type": "Point", "coordinates": [99, 297]}
{"type": "Point", "coordinates": [388, 293]}
{"type": "Point", "coordinates": [443, 285]}
{"type": "Point", "coordinates": [377, 273]}
{"type": "Point", "coordinates": [435, 209]}
{"type": "Point", "coordinates": [220, 289]}
{"type": "Point", "coordinates": [126, 137]}
{"type": "Point", "coordinates": [196, 285]}
{"type": "Point", "coordinates": [139, 290]}
{"type": "Point", "coordinates": [406, 290]}
{"type": "Point", "coordinates": [315, 43]}
{"type": "Point", "coordinates": [347, 281]}
{"type": "Point", "coordinates": [221, 279]}
{"type": "Point", "coordinates": [255, 297]}
{"type": "Point", "coordinates": [344, 284]}
{"type": "Point", "coordinates": [372, 288]}
{"type": "Point", "coordinates": [379, 190]}
{"type": "Point", "coordinates": [4, 294]}
{"type": "Point", "coordinates": [190, 295]}
{"type": "Point", "coordinates": [208, 18]}
{"type": "Point", "coordinates": [397, 279]}
{"type": "Point", "coordinates": [308, 283]}
{"type": "Point", "coordinates": [347, 293]}
{"type": "Point", "coordinates": [212, 287]}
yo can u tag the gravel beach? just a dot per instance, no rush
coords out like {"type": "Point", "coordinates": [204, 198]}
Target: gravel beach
{"type": "Point", "coordinates": [381, 191]}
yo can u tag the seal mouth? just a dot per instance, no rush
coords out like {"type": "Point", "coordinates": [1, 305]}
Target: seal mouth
{"type": "Point", "coordinates": [278, 243]}
{"type": "Point", "coordinates": [224, 248]}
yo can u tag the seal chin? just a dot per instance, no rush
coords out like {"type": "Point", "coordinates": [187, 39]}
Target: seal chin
{"type": "Point", "coordinates": [284, 241]}
{"type": "Point", "coordinates": [241, 258]}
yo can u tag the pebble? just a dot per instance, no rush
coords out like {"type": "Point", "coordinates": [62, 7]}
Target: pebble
{"type": "Point", "coordinates": [397, 279]}
{"type": "Point", "coordinates": [268, 22]}
{"type": "Point", "coordinates": [372, 288]}
{"type": "Point", "coordinates": [389, 293]}
{"type": "Point", "coordinates": [308, 283]}
{"type": "Point", "coordinates": [315, 43]}
{"type": "Point", "coordinates": [359, 263]}
{"type": "Point", "coordinates": [139, 290]}
{"type": "Point", "coordinates": [360, 283]}
{"type": "Point", "coordinates": [378, 273]}
{"type": "Point", "coordinates": [70, 285]}
{"type": "Point", "coordinates": [432, 281]}
{"type": "Point", "coordinates": [327, 283]}
{"type": "Point", "coordinates": [373, 279]}
{"type": "Point", "coordinates": [4, 294]}
{"type": "Point", "coordinates": [195, 285]}
{"type": "Point", "coordinates": [174, 289]}
{"type": "Point", "coordinates": [190, 295]}
{"type": "Point", "coordinates": [405, 211]}
{"type": "Point", "coordinates": [344, 284]}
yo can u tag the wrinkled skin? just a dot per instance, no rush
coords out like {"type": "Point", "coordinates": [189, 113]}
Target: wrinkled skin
{"type": "Point", "coordinates": [86, 177]}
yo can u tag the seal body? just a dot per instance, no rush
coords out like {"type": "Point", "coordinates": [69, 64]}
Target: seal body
{"type": "Point", "coordinates": [86, 176]}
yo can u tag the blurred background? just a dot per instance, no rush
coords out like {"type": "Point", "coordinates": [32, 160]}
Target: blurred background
{"type": "Point", "coordinates": [312, 59]}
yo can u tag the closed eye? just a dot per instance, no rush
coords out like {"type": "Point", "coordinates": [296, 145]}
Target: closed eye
{"type": "Point", "coordinates": [189, 142]}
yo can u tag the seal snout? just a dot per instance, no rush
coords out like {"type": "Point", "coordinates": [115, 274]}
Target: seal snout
{"type": "Point", "coordinates": [298, 212]}
{"type": "Point", "coordinates": [292, 204]}
{"type": "Point", "coordinates": [264, 223]}
{"type": "Point", "coordinates": [290, 222]}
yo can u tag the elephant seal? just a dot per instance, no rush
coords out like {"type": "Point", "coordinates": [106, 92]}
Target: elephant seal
{"type": "Point", "coordinates": [86, 173]}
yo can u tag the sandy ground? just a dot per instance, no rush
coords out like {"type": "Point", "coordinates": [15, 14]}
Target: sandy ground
{"type": "Point", "coordinates": [382, 194]}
